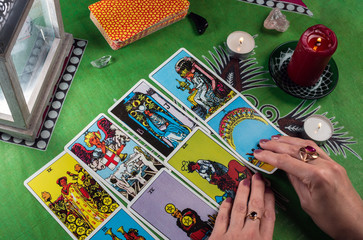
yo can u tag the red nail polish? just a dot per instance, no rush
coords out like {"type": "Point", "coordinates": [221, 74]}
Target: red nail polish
{"type": "Point", "coordinates": [264, 141]}
{"type": "Point", "coordinates": [257, 151]}
{"type": "Point", "coordinates": [246, 182]}
{"type": "Point", "coordinates": [258, 176]}
{"type": "Point", "coordinates": [229, 200]}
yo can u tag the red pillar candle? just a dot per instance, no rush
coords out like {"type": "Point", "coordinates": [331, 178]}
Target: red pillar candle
{"type": "Point", "coordinates": [312, 53]}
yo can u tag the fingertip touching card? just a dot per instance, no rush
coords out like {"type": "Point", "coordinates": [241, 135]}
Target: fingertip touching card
{"type": "Point", "coordinates": [147, 113]}
{"type": "Point", "coordinates": [115, 157]}
{"type": "Point", "coordinates": [78, 202]}
{"type": "Point", "coordinates": [173, 210]}
{"type": "Point", "coordinates": [215, 103]}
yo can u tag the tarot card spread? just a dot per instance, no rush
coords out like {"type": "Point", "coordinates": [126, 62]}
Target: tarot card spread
{"type": "Point", "coordinates": [119, 161]}
{"type": "Point", "coordinates": [149, 115]}
{"type": "Point", "coordinates": [173, 210]}
{"type": "Point", "coordinates": [73, 197]}
{"type": "Point", "coordinates": [209, 167]}
{"type": "Point", "coordinates": [215, 103]}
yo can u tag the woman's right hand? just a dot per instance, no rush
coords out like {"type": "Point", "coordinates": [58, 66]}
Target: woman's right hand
{"type": "Point", "coordinates": [323, 186]}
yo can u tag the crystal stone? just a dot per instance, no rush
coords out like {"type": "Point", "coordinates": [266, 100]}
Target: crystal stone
{"type": "Point", "coordinates": [310, 149]}
{"type": "Point", "coordinates": [200, 22]}
{"type": "Point", "coordinates": [276, 20]}
{"type": "Point", "coordinates": [101, 62]}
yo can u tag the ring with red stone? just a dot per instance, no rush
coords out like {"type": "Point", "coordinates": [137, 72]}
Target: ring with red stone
{"type": "Point", "coordinates": [308, 153]}
{"type": "Point", "coordinates": [253, 216]}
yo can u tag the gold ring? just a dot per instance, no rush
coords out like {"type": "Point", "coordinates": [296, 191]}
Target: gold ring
{"type": "Point", "coordinates": [253, 216]}
{"type": "Point", "coordinates": [308, 153]}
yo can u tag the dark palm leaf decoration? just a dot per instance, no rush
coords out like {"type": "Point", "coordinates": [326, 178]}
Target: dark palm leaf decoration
{"type": "Point", "coordinates": [292, 125]}
{"type": "Point", "coordinates": [241, 74]}
{"type": "Point", "coordinates": [246, 74]}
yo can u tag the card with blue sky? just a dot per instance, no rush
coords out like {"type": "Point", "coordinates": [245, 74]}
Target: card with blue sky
{"type": "Point", "coordinates": [146, 112]}
{"type": "Point", "coordinates": [123, 226]}
{"type": "Point", "coordinates": [196, 87]}
{"type": "Point", "coordinates": [216, 104]}
{"type": "Point", "coordinates": [242, 126]}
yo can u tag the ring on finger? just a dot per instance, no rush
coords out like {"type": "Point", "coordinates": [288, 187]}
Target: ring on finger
{"type": "Point", "coordinates": [308, 153]}
{"type": "Point", "coordinates": [253, 216]}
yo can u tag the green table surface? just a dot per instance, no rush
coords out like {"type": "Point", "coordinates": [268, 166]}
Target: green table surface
{"type": "Point", "coordinates": [93, 91]}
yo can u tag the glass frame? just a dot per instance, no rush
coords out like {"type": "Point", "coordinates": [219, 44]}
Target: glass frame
{"type": "Point", "coordinates": [27, 112]}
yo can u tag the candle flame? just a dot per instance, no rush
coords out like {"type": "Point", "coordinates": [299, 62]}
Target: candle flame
{"type": "Point", "coordinates": [317, 44]}
{"type": "Point", "coordinates": [241, 41]}
{"type": "Point", "coordinates": [317, 130]}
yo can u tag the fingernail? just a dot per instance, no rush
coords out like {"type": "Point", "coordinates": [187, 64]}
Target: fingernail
{"type": "Point", "coordinates": [264, 141]}
{"type": "Point", "coordinates": [257, 151]}
{"type": "Point", "coordinates": [258, 176]}
{"type": "Point", "coordinates": [229, 200]}
{"type": "Point", "coordinates": [268, 190]}
{"type": "Point", "coordinates": [246, 182]}
{"type": "Point", "coordinates": [267, 182]}
{"type": "Point", "coordinates": [275, 137]}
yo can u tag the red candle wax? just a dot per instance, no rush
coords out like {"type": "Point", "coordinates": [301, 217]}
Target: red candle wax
{"type": "Point", "coordinates": [311, 55]}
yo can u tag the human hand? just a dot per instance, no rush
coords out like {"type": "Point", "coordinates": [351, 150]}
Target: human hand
{"type": "Point", "coordinates": [232, 222]}
{"type": "Point", "coordinates": [322, 185]}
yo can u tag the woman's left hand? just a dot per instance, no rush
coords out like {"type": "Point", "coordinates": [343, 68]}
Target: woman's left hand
{"type": "Point", "coordinates": [250, 216]}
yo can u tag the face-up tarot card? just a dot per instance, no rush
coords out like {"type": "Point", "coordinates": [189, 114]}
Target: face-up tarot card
{"type": "Point", "coordinates": [149, 115]}
{"type": "Point", "coordinates": [123, 226]}
{"type": "Point", "coordinates": [174, 210]}
{"type": "Point", "coordinates": [196, 87]}
{"type": "Point", "coordinates": [209, 166]}
{"type": "Point", "coordinates": [72, 196]}
{"type": "Point", "coordinates": [233, 118]}
{"type": "Point", "coordinates": [119, 161]}
{"type": "Point", "coordinates": [242, 126]}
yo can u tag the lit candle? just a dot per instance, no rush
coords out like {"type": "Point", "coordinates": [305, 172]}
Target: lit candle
{"type": "Point", "coordinates": [240, 44]}
{"type": "Point", "coordinates": [318, 128]}
{"type": "Point", "coordinates": [311, 55]}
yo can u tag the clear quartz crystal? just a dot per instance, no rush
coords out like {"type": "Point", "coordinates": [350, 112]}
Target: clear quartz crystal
{"type": "Point", "coordinates": [102, 62]}
{"type": "Point", "coordinates": [276, 20]}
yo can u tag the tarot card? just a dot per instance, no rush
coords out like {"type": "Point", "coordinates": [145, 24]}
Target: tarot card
{"type": "Point", "coordinates": [115, 157]}
{"type": "Point", "coordinates": [158, 122]}
{"type": "Point", "coordinates": [193, 84]}
{"type": "Point", "coordinates": [209, 166]}
{"type": "Point", "coordinates": [242, 126]}
{"type": "Point", "coordinates": [173, 209]}
{"type": "Point", "coordinates": [123, 226]}
{"type": "Point", "coordinates": [225, 119]}
{"type": "Point", "coordinates": [72, 196]}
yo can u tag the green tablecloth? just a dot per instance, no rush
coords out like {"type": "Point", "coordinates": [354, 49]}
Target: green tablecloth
{"type": "Point", "coordinates": [93, 91]}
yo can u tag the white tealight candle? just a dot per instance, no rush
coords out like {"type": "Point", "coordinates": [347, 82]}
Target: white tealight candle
{"type": "Point", "coordinates": [240, 44]}
{"type": "Point", "coordinates": [319, 128]}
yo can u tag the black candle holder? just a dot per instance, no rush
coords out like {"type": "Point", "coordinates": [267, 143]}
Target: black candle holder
{"type": "Point", "coordinates": [278, 62]}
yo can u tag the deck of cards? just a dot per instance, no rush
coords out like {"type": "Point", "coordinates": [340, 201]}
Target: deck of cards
{"type": "Point", "coordinates": [122, 22]}
{"type": "Point", "coordinates": [170, 161]}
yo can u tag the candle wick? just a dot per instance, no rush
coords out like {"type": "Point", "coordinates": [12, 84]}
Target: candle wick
{"type": "Point", "coordinates": [317, 44]}
{"type": "Point", "coordinates": [317, 130]}
{"type": "Point", "coordinates": [241, 41]}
